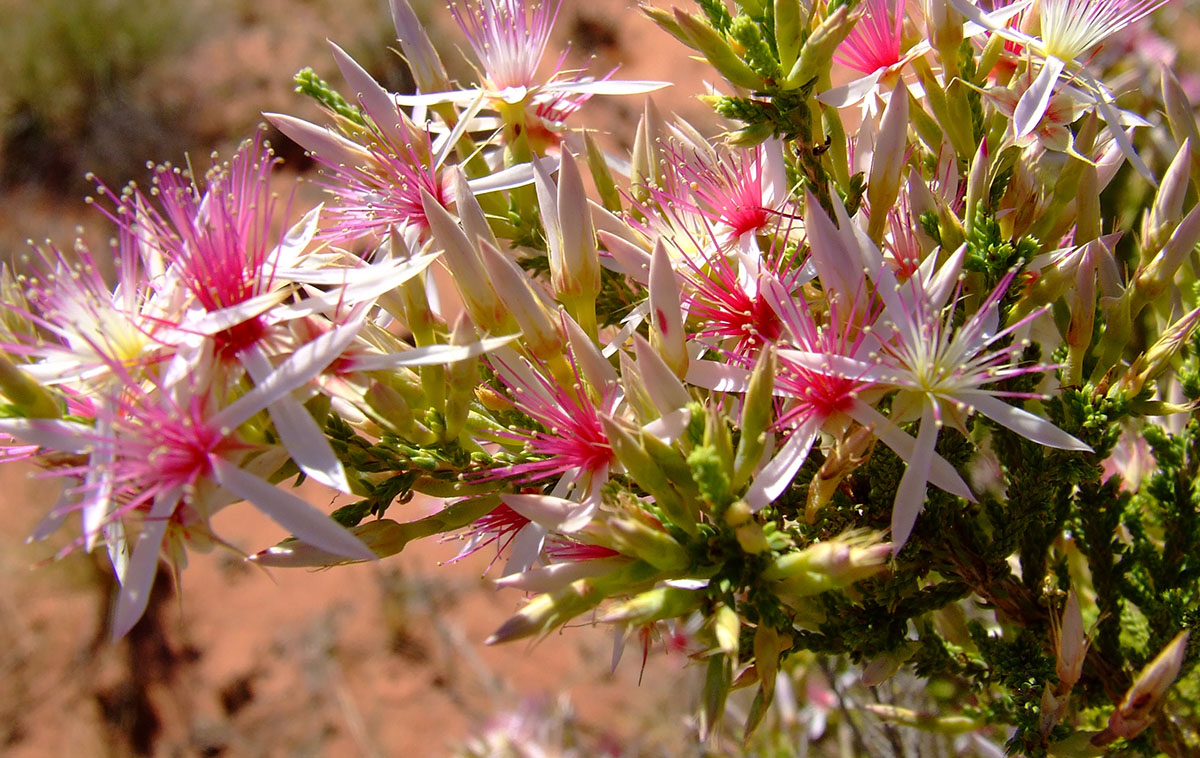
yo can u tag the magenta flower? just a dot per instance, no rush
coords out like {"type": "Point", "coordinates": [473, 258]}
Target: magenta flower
{"type": "Point", "coordinates": [942, 373]}
{"type": "Point", "coordinates": [164, 460]}
{"type": "Point", "coordinates": [736, 191]}
{"type": "Point", "coordinates": [875, 41]}
{"type": "Point", "coordinates": [509, 39]}
{"type": "Point", "coordinates": [1070, 28]}
{"type": "Point", "coordinates": [571, 444]}
{"type": "Point", "coordinates": [84, 324]}
{"type": "Point", "coordinates": [215, 241]}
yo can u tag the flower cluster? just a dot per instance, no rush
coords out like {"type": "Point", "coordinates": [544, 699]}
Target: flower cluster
{"type": "Point", "coordinates": [828, 382]}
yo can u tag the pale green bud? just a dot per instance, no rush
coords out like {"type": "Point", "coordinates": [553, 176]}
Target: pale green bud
{"type": "Point", "coordinates": [464, 262]}
{"type": "Point", "coordinates": [31, 399]}
{"type": "Point", "coordinates": [388, 408]}
{"type": "Point", "coordinates": [758, 409]}
{"type": "Point", "coordinates": [606, 186]}
{"type": "Point", "coordinates": [704, 38]}
{"type": "Point", "coordinates": [422, 59]}
{"type": "Point", "coordinates": [788, 28]}
{"type": "Point", "coordinates": [666, 312]}
{"type": "Point", "coordinates": [816, 57]}
{"type": "Point", "coordinates": [655, 605]}
{"type": "Point", "coordinates": [461, 379]}
{"type": "Point", "coordinates": [828, 565]}
{"type": "Point", "coordinates": [718, 680]}
{"type": "Point", "coordinates": [1070, 644]}
{"type": "Point", "coordinates": [1157, 359]}
{"type": "Point", "coordinates": [652, 545]}
{"type": "Point", "coordinates": [887, 162]}
{"type": "Point", "coordinates": [1155, 277]}
{"type": "Point", "coordinates": [1182, 118]}
{"type": "Point", "coordinates": [977, 183]}
{"type": "Point", "coordinates": [885, 665]}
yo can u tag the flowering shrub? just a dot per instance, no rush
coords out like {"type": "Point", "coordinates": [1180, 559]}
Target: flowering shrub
{"type": "Point", "coordinates": [873, 374]}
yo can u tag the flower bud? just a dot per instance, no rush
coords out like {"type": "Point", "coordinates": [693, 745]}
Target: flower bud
{"type": "Point", "coordinates": [718, 679]}
{"type": "Point", "coordinates": [423, 61]}
{"type": "Point", "coordinates": [655, 605]}
{"type": "Point", "coordinates": [924, 721]}
{"type": "Point", "coordinates": [540, 335]}
{"type": "Point", "coordinates": [828, 565]}
{"type": "Point", "coordinates": [977, 184]}
{"type": "Point", "coordinates": [1167, 210]}
{"type": "Point", "coordinates": [654, 546]}
{"type": "Point", "coordinates": [1155, 277]}
{"type": "Point", "coordinates": [388, 408]}
{"type": "Point", "coordinates": [1070, 644]}
{"type": "Point", "coordinates": [1182, 118]}
{"type": "Point", "coordinates": [602, 176]}
{"type": "Point", "coordinates": [574, 262]}
{"type": "Point", "coordinates": [463, 261]}
{"type": "Point", "coordinates": [1133, 714]}
{"type": "Point", "coordinates": [461, 379]}
{"type": "Point", "coordinates": [662, 382]}
{"type": "Point", "coordinates": [945, 25]}
{"type": "Point", "coordinates": [1157, 359]}
{"type": "Point", "coordinates": [384, 537]}
{"type": "Point", "coordinates": [704, 38]}
{"type": "Point", "coordinates": [816, 57]}
{"type": "Point", "coordinates": [789, 25]}
{"type": "Point", "coordinates": [758, 409]}
{"type": "Point", "coordinates": [666, 312]}
{"type": "Point", "coordinates": [727, 630]}
{"type": "Point", "coordinates": [31, 399]}
{"type": "Point", "coordinates": [885, 665]}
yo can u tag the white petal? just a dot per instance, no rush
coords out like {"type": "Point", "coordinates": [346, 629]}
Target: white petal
{"type": "Point", "coordinates": [320, 141]}
{"type": "Point", "coordinates": [553, 513]}
{"type": "Point", "coordinates": [1032, 105]}
{"type": "Point", "coordinates": [295, 242]}
{"type": "Point", "coordinates": [429, 355]}
{"type": "Point", "coordinates": [1023, 422]}
{"type": "Point", "coordinates": [305, 363]}
{"type": "Point", "coordinates": [138, 579]}
{"type": "Point", "coordinates": [779, 473]}
{"type": "Point", "coordinates": [667, 392]}
{"type": "Point", "coordinates": [607, 87]}
{"type": "Point", "coordinates": [525, 548]}
{"type": "Point", "coordinates": [669, 426]}
{"type": "Point", "coordinates": [941, 473]}
{"type": "Point", "coordinates": [851, 92]}
{"type": "Point", "coordinates": [719, 377]}
{"type": "Point", "coordinates": [52, 434]}
{"type": "Point", "coordinates": [292, 513]}
{"type": "Point", "coordinates": [910, 495]}
{"type": "Point", "coordinates": [512, 177]}
{"type": "Point", "coordinates": [298, 431]}
{"type": "Point", "coordinates": [559, 575]}
{"type": "Point", "coordinates": [376, 101]}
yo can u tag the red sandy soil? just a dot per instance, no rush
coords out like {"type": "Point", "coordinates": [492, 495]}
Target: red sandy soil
{"type": "Point", "coordinates": [371, 660]}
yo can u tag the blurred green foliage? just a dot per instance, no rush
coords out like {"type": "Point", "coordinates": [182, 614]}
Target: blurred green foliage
{"type": "Point", "coordinates": [69, 70]}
